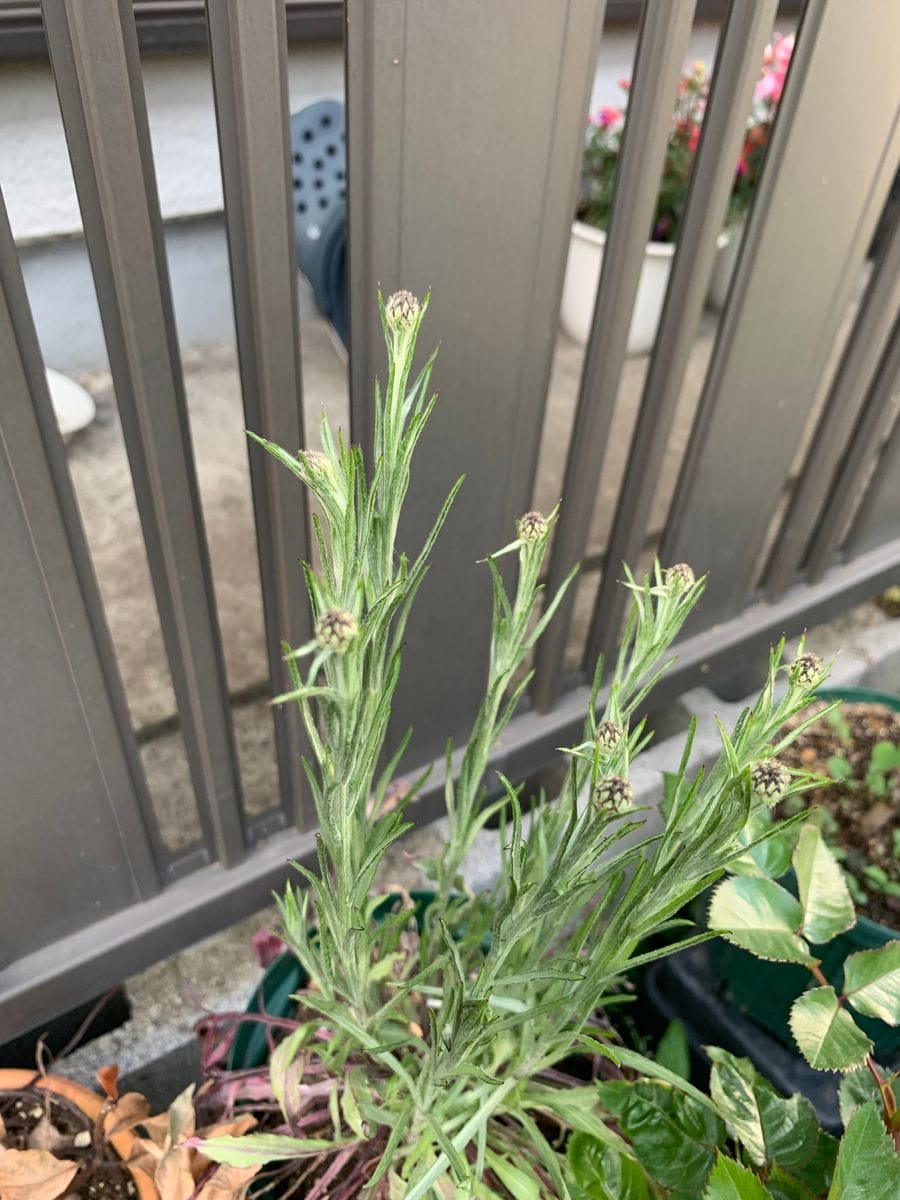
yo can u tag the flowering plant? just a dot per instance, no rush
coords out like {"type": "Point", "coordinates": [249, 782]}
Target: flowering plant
{"type": "Point", "coordinates": [422, 1057]}
{"type": "Point", "coordinates": [766, 98]}
{"type": "Point", "coordinates": [604, 139]}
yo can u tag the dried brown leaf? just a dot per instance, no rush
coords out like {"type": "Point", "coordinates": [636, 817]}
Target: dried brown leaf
{"type": "Point", "coordinates": [130, 1110]}
{"type": "Point", "coordinates": [229, 1183]}
{"type": "Point", "coordinates": [34, 1175]}
{"type": "Point", "coordinates": [108, 1078]}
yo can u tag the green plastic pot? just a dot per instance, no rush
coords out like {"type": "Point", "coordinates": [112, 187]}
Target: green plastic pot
{"type": "Point", "coordinates": [766, 991]}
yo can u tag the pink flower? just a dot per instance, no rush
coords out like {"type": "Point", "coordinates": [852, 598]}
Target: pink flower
{"type": "Point", "coordinates": [608, 116]}
{"type": "Point", "coordinates": [625, 84]}
{"type": "Point", "coordinates": [784, 48]}
{"type": "Point", "coordinates": [694, 138]}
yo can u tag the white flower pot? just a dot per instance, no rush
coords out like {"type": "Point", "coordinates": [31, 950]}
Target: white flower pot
{"type": "Point", "coordinates": [583, 275]}
{"type": "Point", "coordinates": [726, 260]}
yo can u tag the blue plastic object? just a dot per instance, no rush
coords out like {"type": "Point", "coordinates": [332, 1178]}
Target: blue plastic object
{"type": "Point", "coordinates": [319, 170]}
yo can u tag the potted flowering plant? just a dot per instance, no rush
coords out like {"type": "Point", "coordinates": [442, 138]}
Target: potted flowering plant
{"type": "Point", "coordinates": [601, 154]}
{"type": "Point", "coordinates": [420, 1056]}
{"type": "Point", "coordinates": [766, 98]}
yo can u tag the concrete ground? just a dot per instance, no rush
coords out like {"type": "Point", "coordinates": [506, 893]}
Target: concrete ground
{"type": "Point", "coordinates": [102, 482]}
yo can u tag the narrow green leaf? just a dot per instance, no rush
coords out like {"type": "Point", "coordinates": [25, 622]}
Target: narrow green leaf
{"type": "Point", "coordinates": [761, 916]}
{"type": "Point", "coordinates": [520, 1181]}
{"type": "Point", "coordinates": [253, 1148]}
{"type": "Point", "coordinates": [828, 1037]}
{"type": "Point", "coordinates": [868, 1167]}
{"type": "Point", "coordinates": [732, 1181]}
{"type": "Point", "coordinates": [827, 907]}
{"type": "Point", "coordinates": [872, 982]}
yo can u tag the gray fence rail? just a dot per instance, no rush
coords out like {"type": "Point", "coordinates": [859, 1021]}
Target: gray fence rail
{"type": "Point", "coordinates": [465, 128]}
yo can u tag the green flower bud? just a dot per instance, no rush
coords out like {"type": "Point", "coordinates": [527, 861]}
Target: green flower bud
{"type": "Point", "coordinates": [608, 735]}
{"type": "Point", "coordinates": [679, 576]}
{"type": "Point", "coordinates": [532, 526]}
{"type": "Point", "coordinates": [315, 461]}
{"type": "Point", "coordinates": [769, 779]}
{"type": "Point", "coordinates": [335, 630]}
{"type": "Point", "coordinates": [806, 670]}
{"type": "Point", "coordinates": [614, 792]}
{"type": "Point", "coordinates": [402, 310]}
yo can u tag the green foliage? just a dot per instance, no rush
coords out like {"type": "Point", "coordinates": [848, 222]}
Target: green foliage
{"type": "Point", "coordinates": [868, 1166]}
{"type": "Point", "coordinates": [884, 760]}
{"type": "Point", "coordinates": [826, 1033]}
{"type": "Point", "coordinates": [761, 916]}
{"type": "Point", "coordinates": [433, 1028]}
{"type": "Point", "coordinates": [732, 1181]}
{"type": "Point", "coordinates": [673, 1051]}
{"type": "Point", "coordinates": [773, 1130]}
{"type": "Point", "coordinates": [755, 1143]}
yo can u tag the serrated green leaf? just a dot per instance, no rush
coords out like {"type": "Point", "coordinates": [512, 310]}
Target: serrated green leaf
{"type": "Point", "coordinates": [594, 1171]}
{"type": "Point", "coordinates": [872, 982]}
{"type": "Point", "coordinates": [868, 1166]}
{"type": "Point", "coordinates": [673, 1138]}
{"type": "Point", "coordinates": [858, 1087]}
{"type": "Point", "coordinates": [762, 917]}
{"type": "Point", "coordinates": [732, 1181]}
{"type": "Point", "coordinates": [771, 1129]}
{"type": "Point", "coordinates": [827, 907]}
{"type": "Point", "coordinates": [828, 1037]}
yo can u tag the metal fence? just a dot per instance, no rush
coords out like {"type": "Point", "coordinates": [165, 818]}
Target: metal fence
{"type": "Point", "coordinates": [465, 126]}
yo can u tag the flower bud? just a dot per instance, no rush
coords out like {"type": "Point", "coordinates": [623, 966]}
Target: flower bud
{"type": "Point", "coordinates": [608, 735]}
{"type": "Point", "coordinates": [335, 630]}
{"type": "Point", "coordinates": [806, 670]}
{"type": "Point", "coordinates": [401, 310]}
{"type": "Point", "coordinates": [315, 461]}
{"type": "Point", "coordinates": [679, 576]}
{"type": "Point", "coordinates": [532, 526]}
{"type": "Point", "coordinates": [769, 779]}
{"type": "Point", "coordinates": [614, 792]}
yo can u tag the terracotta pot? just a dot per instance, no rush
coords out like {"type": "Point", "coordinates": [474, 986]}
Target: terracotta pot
{"type": "Point", "coordinates": [90, 1104]}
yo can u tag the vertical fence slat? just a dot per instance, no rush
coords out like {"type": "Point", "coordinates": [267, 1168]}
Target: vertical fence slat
{"type": "Point", "coordinates": [801, 257]}
{"type": "Point", "coordinates": [465, 127]}
{"type": "Point", "coordinates": [738, 57]}
{"type": "Point", "coordinates": [94, 56]}
{"type": "Point", "coordinates": [859, 364]}
{"type": "Point", "coordinates": [880, 507]}
{"type": "Point", "coordinates": [248, 48]}
{"type": "Point", "coordinates": [662, 44]}
{"type": "Point", "coordinates": [78, 831]}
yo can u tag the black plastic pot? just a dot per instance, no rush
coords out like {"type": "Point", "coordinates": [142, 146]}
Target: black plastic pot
{"type": "Point", "coordinates": [683, 988]}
